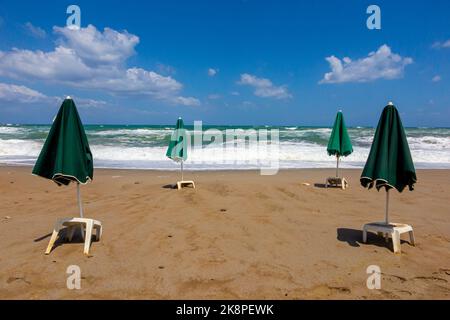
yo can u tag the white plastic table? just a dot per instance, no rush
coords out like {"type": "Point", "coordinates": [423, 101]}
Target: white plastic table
{"type": "Point", "coordinates": [71, 224]}
{"type": "Point", "coordinates": [392, 229]}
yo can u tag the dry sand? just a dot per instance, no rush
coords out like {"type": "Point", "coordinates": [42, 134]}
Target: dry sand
{"type": "Point", "coordinates": [239, 235]}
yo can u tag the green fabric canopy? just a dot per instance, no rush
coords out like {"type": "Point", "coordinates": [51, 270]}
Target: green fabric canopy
{"type": "Point", "coordinates": [177, 149]}
{"type": "Point", "coordinates": [339, 143]}
{"type": "Point", "coordinates": [389, 163]}
{"type": "Point", "coordinates": [66, 155]}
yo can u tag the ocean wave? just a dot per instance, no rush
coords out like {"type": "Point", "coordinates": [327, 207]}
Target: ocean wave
{"type": "Point", "coordinates": [130, 132]}
{"type": "Point", "coordinates": [125, 147]}
{"type": "Point", "coordinates": [16, 147]}
{"type": "Point", "coordinates": [10, 129]}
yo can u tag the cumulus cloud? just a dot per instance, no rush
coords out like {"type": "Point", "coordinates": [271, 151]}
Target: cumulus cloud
{"type": "Point", "coordinates": [382, 64]}
{"type": "Point", "coordinates": [95, 47]}
{"type": "Point", "coordinates": [441, 45]}
{"type": "Point", "coordinates": [186, 101]}
{"type": "Point", "coordinates": [88, 103]}
{"type": "Point", "coordinates": [89, 59]}
{"type": "Point", "coordinates": [60, 65]}
{"type": "Point", "coordinates": [264, 87]}
{"type": "Point", "coordinates": [212, 72]}
{"type": "Point", "coordinates": [22, 94]}
{"type": "Point", "coordinates": [36, 32]}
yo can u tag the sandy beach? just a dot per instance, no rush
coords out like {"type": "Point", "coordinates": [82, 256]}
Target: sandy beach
{"type": "Point", "coordinates": [238, 235]}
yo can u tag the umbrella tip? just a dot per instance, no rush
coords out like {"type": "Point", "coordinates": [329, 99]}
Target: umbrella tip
{"type": "Point", "coordinates": [340, 110]}
{"type": "Point", "coordinates": [390, 103]}
{"type": "Point", "coordinates": [68, 97]}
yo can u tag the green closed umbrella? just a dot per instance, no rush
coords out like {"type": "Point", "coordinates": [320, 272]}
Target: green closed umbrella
{"type": "Point", "coordinates": [66, 156]}
{"type": "Point", "coordinates": [177, 150]}
{"type": "Point", "coordinates": [339, 143]}
{"type": "Point", "coordinates": [389, 163]}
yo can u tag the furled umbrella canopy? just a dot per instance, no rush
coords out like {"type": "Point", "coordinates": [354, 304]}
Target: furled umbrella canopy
{"type": "Point", "coordinates": [66, 156]}
{"type": "Point", "coordinates": [389, 163]}
{"type": "Point", "coordinates": [177, 149]}
{"type": "Point", "coordinates": [339, 143]}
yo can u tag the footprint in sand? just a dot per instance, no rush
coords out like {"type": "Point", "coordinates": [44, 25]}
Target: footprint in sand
{"type": "Point", "coordinates": [404, 293]}
{"type": "Point", "coordinates": [14, 279]}
{"type": "Point", "coordinates": [326, 291]}
{"type": "Point", "coordinates": [431, 279]}
{"type": "Point", "coordinates": [445, 271]}
{"type": "Point", "coordinates": [393, 278]}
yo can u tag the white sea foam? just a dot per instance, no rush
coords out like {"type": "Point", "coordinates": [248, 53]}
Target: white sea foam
{"type": "Point", "coordinates": [131, 132]}
{"type": "Point", "coordinates": [298, 148]}
{"type": "Point", "coordinates": [9, 130]}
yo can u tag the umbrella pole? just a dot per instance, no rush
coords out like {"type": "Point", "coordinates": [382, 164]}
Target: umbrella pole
{"type": "Point", "coordinates": [387, 207]}
{"type": "Point", "coordinates": [80, 206]}
{"type": "Point", "coordinates": [181, 170]}
{"type": "Point", "coordinates": [337, 166]}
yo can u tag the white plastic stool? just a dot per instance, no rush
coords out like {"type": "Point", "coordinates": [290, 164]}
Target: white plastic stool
{"type": "Point", "coordinates": [336, 182]}
{"type": "Point", "coordinates": [71, 224]}
{"type": "Point", "coordinates": [393, 229]}
{"type": "Point", "coordinates": [181, 184]}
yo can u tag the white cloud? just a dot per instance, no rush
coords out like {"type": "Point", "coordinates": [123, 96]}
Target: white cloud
{"type": "Point", "coordinates": [440, 45]}
{"type": "Point", "coordinates": [186, 101]}
{"type": "Point", "coordinates": [22, 94]}
{"type": "Point", "coordinates": [35, 31]}
{"type": "Point", "coordinates": [90, 59]}
{"type": "Point", "coordinates": [136, 81]}
{"type": "Point", "coordinates": [95, 47]}
{"type": "Point", "coordinates": [60, 65]}
{"type": "Point", "coordinates": [437, 78]}
{"type": "Point", "coordinates": [25, 95]}
{"type": "Point", "coordinates": [264, 87]}
{"type": "Point", "coordinates": [89, 103]}
{"type": "Point", "coordinates": [382, 64]}
{"type": "Point", "coordinates": [212, 72]}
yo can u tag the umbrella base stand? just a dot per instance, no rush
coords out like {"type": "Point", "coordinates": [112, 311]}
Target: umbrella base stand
{"type": "Point", "coordinates": [336, 182]}
{"type": "Point", "coordinates": [393, 230]}
{"type": "Point", "coordinates": [70, 224]}
{"type": "Point", "coordinates": [185, 183]}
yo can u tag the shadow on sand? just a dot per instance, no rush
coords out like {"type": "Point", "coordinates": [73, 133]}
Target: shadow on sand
{"type": "Point", "coordinates": [42, 238]}
{"type": "Point", "coordinates": [354, 238]}
{"type": "Point", "coordinates": [169, 186]}
{"type": "Point", "coordinates": [61, 240]}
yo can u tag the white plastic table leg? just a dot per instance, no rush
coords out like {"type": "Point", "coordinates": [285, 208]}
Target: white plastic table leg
{"type": "Point", "coordinates": [88, 236]}
{"type": "Point", "coordinates": [412, 240]}
{"type": "Point", "coordinates": [56, 229]}
{"type": "Point", "coordinates": [396, 242]}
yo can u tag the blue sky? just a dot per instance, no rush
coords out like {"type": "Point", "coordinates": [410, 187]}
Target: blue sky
{"type": "Point", "coordinates": [226, 62]}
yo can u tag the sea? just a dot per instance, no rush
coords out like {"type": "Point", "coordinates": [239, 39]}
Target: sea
{"type": "Point", "coordinates": [144, 147]}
